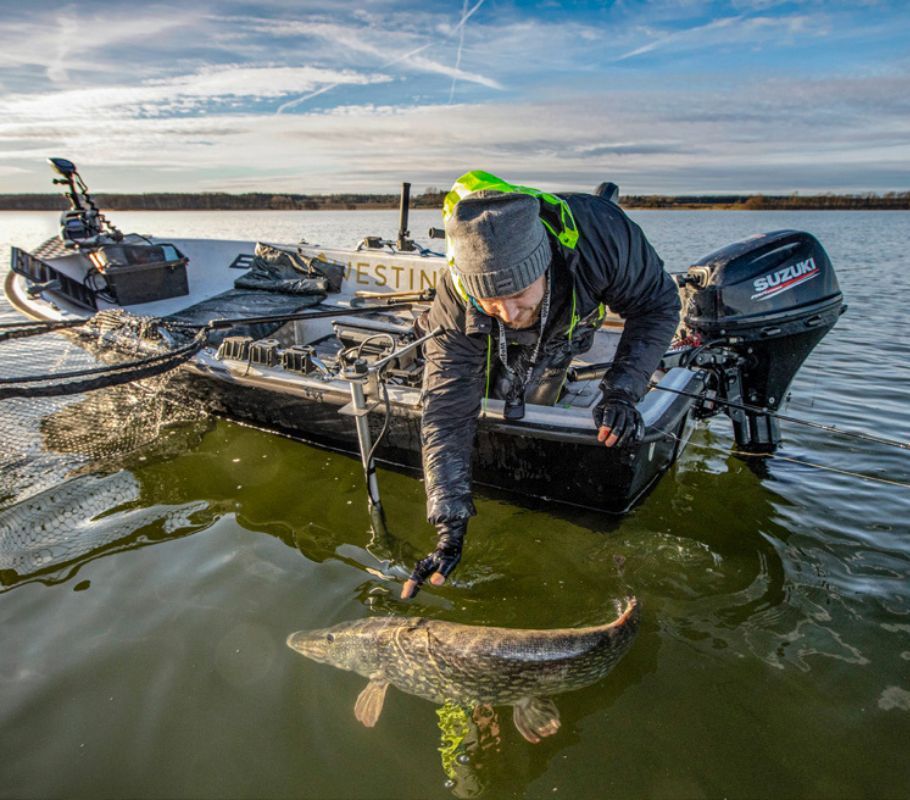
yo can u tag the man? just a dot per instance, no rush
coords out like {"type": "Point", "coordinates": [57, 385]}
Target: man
{"type": "Point", "coordinates": [530, 274]}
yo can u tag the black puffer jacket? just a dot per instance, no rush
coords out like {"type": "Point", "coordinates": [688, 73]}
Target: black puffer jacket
{"type": "Point", "coordinates": [613, 263]}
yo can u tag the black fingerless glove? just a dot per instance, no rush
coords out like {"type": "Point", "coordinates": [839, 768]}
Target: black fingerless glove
{"type": "Point", "coordinates": [617, 411]}
{"type": "Point", "coordinates": [447, 554]}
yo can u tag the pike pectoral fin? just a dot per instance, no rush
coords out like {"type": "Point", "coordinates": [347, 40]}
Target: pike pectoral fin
{"type": "Point", "coordinates": [369, 702]}
{"type": "Point", "coordinates": [536, 717]}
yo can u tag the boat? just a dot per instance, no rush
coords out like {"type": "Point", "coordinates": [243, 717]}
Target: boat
{"type": "Point", "coordinates": [320, 343]}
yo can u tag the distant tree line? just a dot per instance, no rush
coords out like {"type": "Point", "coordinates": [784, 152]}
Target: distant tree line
{"type": "Point", "coordinates": [763, 202]}
{"type": "Point", "coordinates": [432, 198]}
{"type": "Point", "coordinates": [221, 201]}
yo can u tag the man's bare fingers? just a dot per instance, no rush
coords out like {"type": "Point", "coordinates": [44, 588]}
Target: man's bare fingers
{"type": "Point", "coordinates": [606, 436]}
{"type": "Point", "coordinates": [437, 579]}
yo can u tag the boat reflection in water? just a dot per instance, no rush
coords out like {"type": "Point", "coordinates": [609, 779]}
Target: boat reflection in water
{"type": "Point", "coordinates": [468, 669]}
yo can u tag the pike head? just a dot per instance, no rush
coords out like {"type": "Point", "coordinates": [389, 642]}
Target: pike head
{"type": "Point", "coordinates": [352, 646]}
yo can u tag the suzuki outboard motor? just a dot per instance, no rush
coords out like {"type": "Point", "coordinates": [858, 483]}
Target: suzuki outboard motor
{"type": "Point", "coordinates": [758, 307]}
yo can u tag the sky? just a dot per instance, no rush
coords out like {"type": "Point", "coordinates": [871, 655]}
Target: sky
{"type": "Point", "coordinates": [671, 97]}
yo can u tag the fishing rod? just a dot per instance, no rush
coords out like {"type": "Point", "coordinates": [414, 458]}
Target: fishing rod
{"type": "Point", "coordinates": [826, 468]}
{"type": "Point", "coordinates": [217, 324]}
{"type": "Point", "coordinates": [786, 418]}
{"type": "Point", "coordinates": [800, 461]}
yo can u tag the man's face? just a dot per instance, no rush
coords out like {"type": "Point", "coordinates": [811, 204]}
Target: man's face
{"type": "Point", "coordinates": [519, 310]}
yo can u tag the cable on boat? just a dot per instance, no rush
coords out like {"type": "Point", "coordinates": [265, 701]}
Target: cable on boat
{"type": "Point", "coordinates": [385, 394]}
{"type": "Point", "coordinates": [370, 339]}
{"type": "Point", "coordinates": [385, 423]}
{"type": "Point", "coordinates": [786, 418]}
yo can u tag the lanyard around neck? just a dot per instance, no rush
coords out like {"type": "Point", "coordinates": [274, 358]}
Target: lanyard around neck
{"type": "Point", "coordinates": [503, 356]}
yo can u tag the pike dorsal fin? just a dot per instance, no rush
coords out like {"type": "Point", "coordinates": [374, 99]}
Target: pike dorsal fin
{"type": "Point", "coordinates": [369, 702]}
{"type": "Point", "coordinates": [536, 717]}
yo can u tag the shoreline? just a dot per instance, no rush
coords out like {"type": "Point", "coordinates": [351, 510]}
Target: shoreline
{"type": "Point", "coordinates": [167, 201]}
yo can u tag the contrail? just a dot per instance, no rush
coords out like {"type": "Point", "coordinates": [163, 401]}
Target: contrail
{"type": "Point", "coordinates": [413, 52]}
{"type": "Point", "coordinates": [291, 103]}
{"type": "Point", "coordinates": [676, 36]}
{"type": "Point", "coordinates": [465, 15]}
{"type": "Point", "coordinates": [470, 14]}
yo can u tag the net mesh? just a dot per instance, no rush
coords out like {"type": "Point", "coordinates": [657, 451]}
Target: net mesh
{"type": "Point", "coordinates": [67, 486]}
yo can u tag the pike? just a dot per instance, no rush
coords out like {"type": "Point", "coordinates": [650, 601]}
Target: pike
{"type": "Point", "coordinates": [471, 664]}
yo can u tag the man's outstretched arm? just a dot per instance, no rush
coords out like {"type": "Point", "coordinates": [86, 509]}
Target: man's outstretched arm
{"type": "Point", "coordinates": [453, 386]}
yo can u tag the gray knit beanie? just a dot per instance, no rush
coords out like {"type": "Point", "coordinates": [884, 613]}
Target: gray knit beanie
{"type": "Point", "coordinates": [499, 244]}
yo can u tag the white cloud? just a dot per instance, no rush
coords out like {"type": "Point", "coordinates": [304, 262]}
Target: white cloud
{"type": "Point", "coordinates": [76, 38]}
{"type": "Point", "coordinates": [182, 93]}
{"type": "Point", "coordinates": [379, 44]}
{"type": "Point", "coordinates": [8, 169]}
{"type": "Point", "coordinates": [713, 141]}
{"type": "Point", "coordinates": [328, 87]}
{"type": "Point", "coordinates": [66, 34]}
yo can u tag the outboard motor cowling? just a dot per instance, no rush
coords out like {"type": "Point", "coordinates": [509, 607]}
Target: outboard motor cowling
{"type": "Point", "coordinates": [759, 306]}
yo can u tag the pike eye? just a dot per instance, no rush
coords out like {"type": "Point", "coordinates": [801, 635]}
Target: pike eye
{"type": "Point", "coordinates": [329, 638]}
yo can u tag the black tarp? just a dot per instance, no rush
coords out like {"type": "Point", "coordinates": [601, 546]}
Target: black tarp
{"type": "Point", "coordinates": [279, 269]}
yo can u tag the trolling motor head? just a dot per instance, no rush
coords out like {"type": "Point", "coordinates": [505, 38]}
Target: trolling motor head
{"type": "Point", "coordinates": [64, 167]}
{"type": "Point", "coordinates": [760, 305]}
{"type": "Point", "coordinates": [83, 223]}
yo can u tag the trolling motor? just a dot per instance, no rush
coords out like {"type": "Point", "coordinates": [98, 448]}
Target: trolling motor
{"type": "Point", "coordinates": [755, 310]}
{"type": "Point", "coordinates": [82, 223]}
{"type": "Point", "coordinates": [106, 267]}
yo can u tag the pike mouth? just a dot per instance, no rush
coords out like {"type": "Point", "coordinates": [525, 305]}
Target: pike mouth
{"type": "Point", "coordinates": [306, 643]}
